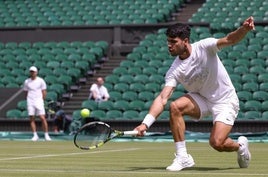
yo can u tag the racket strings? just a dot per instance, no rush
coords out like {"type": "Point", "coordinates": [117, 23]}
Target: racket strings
{"type": "Point", "coordinates": [93, 135]}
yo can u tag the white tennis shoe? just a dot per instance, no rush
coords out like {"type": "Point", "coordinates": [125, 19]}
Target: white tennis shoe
{"type": "Point", "coordinates": [180, 163]}
{"type": "Point", "coordinates": [35, 138]}
{"type": "Point", "coordinates": [244, 157]}
{"type": "Point", "coordinates": [47, 138]}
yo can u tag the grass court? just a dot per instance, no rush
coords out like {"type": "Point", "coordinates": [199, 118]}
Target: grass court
{"type": "Point", "coordinates": [122, 159]}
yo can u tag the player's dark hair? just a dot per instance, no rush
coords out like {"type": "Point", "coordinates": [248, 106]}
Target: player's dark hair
{"type": "Point", "coordinates": [179, 30]}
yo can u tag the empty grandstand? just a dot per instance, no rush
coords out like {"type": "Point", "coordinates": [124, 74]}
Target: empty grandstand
{"type": "Point", "coordinates": [73, 42]}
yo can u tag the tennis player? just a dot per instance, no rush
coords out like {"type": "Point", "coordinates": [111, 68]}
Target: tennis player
{"type": "Point", "coordinates": [35, 89]}
{"type": "Point", "coordinates": [210, 92]}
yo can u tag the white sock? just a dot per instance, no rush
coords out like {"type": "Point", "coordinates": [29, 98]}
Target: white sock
{"type": "Point", "coordinates": [181, 148]}
{"type": "Point", "coordinates": [46, 134]}
{"type": "Point", "coordinates": [35, 134]}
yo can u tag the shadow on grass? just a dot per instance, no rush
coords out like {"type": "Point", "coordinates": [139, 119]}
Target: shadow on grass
{"type": "Point", "coordinates": [187, 169]}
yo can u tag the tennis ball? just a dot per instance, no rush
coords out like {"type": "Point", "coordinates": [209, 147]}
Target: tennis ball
{"type": "Point", "coordinates": [85, 113]}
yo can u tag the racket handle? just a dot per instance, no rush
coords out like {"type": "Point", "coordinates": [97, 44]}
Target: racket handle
{"type": "Point", "coordinates": [134, 132]}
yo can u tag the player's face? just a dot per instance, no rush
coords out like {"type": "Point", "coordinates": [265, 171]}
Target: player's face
{"type": "Point", "coordinates": [33, 74]}
{"type": "Point", "coordinates": [176, 46]}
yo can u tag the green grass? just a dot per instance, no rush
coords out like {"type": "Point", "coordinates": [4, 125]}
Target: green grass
{"type": "Point", "coordinates": [122, 159]}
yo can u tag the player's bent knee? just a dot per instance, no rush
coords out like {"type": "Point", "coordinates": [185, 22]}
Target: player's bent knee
{"type": "Point", "coordinates": [216, 144]}
{"type": "Point", "coordinates": [174, 108]}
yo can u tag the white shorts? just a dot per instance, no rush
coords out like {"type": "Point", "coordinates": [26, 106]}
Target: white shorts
{"type": "Point", "coordinates": [36, 109]}
{"type": "Point", "coordinates": [221, 112]}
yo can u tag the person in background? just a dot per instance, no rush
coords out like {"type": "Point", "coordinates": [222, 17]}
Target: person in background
{"type": "Point", "coordinates": [62, 122]}
{"type": "Point", "coordinates": [35, 89]}
{"type": "Point", "coordinates": [210, 92]}
{"type": "Point", "coordinates": [98, 91]}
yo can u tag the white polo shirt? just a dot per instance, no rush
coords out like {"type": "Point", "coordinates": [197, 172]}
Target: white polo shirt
{"type": "Point", "coordinates": [202, 72]}
{"type": "Point", "coordinates": [101, 91]}
{"type": "Point", "coordinates": [34, 89]}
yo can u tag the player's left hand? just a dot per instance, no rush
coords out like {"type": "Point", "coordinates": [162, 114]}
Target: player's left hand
{"type": "Point", "coordinates": [249, 24]}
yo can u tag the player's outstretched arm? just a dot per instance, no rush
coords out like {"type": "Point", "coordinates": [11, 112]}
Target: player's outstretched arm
{"type": "Point", "coordinates": [237, 35]}
{"type": "Point", "coordinates": [155, 110]}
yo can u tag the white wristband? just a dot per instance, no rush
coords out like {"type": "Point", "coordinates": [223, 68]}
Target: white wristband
{"type": "Point", "coordinates": [148, 120]}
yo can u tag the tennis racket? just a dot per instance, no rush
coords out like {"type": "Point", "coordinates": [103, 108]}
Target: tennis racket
{"type": "Point", "coordinates": [95, 134]}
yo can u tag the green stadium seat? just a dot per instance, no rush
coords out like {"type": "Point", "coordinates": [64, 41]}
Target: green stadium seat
{"type": "Point", "coordinates": [159, 79]}
{"type": "Point", "coordinates": [146, 96]}
{"type": "Point", "coordinates": [22, 105]}
{"type": "Point", "coordinates": [100, 114]}
{"type": "Point", "coordinates": [89, 104]}
{"type": "Point", "coordinates": [114, 114]}
{"type": "Point", "coordinates": [141, 78]}
{"type": "Point", "coordinates": [134, 71]}
{"type": "Point", "coordinates": [126, 79]}
{"type": "Point", "coordinates": [131, 114]}
{"type": "Point", "coordinates": [249, 77]}
{"type": "Point", "coordinates": [252, 105]}
{"type": "Point", "coordinates": [264, 105]}
{"type": "Point", "coordinates": [265, 115]}
{"type": "Point", "coordinates": [121, 105]}
{"type": "Point", "coordinates": [152, 87]}
{"type": "Point", "coordinates": [120, 71]}
{"type": "Point", "coordinates": [244, 95]}
{"type": "Point", "coordinates": [13, 113]}
{"type": "Point", "coordinates": [51, 79]}
{"type": "Point", "coordinates": [51, 96]}
{"type": "Point", "coordinates": [136, 87]}
{"type": "Point", "coordinates": [58, 88]}
{"type": "Point", "coordinates": [262, 77]}
{"type": "Point", "coordinates": [260, 95]}
{"type": "Point", "coordinates": [129, 96]}
{"type": "Point", "coordinates": [252, 115]}
{"type": "Point", "coordinates": [250, 86]}
{"type": "Point", "coordinates": [114, 95]}
{"type": "Point", "coordinates": [240, 70]}
{"type": "Point", "coordinates": [113, 79]}
{"type": "Point", "coordinates": [149, 71]}
{"type": "Point", "coordinates": [121, 87]}
{"type": "Point", "coordinates": [136, 105]}
{"type": "Point", "coordinates": [105, 105]}
{"type": "Point", "coordinates": [264, 86]}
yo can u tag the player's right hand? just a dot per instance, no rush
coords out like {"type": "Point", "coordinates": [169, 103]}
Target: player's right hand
{"type": "Point", "coordinates": [141, 129]}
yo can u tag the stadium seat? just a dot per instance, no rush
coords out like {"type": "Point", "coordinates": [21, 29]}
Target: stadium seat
{"type": "Point", "coordinates": [105, 105]}
{"type": "Point", "coordinates": [121, 105]}
{"type": "Point", "coordinates": [250, 86]}
{"type": "Point", "coordinates": [89, 104]}
{"type": "Point", "coordinates": [146, 96]}
{"type": "Point", "coordinates": [100, 114]}
{"type": "Point", "coordinates": [121, 87]}
{"type": "Point", "coordinates": [136, 87]}
{"type": "Point", "coordinates": [114, 95]}
{"type": "Point", "coordinates": [260, 95]}
{"type": "Point", "coordinates": [114, 114]}
{"type": "Point", "coordinates": [13, 113]}
{"type": "Point", "coordinates": [252, 105]}
{"type": "Point", "coordinates": [244, 95]}
{"type": "Point", "coordinates": [131, 114]}
{"type": "Point", "coordinates": [126, 79]}
{"type": "Point", "coordinates": [129, 96]}
{"type": "Point", "coordinates": [136, 105]}
{"type": "Point", "coordinates": [22, 105]}
{"type": "Point", "coordinates": [252, 115]}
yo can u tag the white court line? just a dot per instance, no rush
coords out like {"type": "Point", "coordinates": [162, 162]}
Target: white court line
{"type": "Point", "coordinates": [166, 173]}
{"type": "Point", "coordinates": [66, 154]}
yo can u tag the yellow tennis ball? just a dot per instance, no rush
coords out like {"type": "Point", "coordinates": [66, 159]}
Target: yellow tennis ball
{"type": "Point", "coordinates": [85, 113]}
